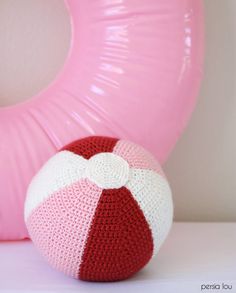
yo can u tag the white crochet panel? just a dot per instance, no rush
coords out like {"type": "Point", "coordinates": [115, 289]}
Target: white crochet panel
{"type": "Point", "coordinates": [60, 171]}
{"type": "Point", "coordinates": [153, 194]}
{"type": "Point", "coordinates": [107, 170]}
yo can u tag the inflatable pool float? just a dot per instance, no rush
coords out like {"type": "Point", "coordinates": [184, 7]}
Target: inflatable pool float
{"type": "Point", "coordinates": [133, 71]}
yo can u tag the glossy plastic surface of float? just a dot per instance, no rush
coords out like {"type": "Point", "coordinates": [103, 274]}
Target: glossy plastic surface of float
{"type": "Point", "coordinates": [133, 71]}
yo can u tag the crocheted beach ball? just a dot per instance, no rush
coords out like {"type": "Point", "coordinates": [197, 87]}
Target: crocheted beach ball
{"type": "Point", "coordinates": [99, 209]}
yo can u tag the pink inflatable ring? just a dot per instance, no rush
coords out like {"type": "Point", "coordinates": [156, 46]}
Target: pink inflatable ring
{"type": "Point", "coordinates": [133, 71]}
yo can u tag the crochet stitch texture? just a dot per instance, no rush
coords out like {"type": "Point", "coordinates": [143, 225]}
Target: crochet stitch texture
{"type": "Point", "coordinates": [99, 209]}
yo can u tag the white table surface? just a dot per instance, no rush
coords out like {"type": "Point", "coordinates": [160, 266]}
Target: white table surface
{"type": "Point", "coordinates": [194, 255]}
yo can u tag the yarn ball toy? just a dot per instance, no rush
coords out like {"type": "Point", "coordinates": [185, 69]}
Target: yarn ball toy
{"type": "Point", "coordinates": [99, 209]}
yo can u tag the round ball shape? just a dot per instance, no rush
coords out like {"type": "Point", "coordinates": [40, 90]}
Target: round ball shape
{"type": "Point", "coordinates": [99, 209]}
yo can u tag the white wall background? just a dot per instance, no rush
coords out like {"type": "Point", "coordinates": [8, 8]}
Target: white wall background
{"type": "Point", "coordinates": [202, 168]}
{"type": "Point", "coordinates": [34, 40]}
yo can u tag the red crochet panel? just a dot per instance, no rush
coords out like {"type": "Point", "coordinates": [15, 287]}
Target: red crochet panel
{"type": "Point", "coordinates": [119, 234]}
{"type": "Point", "coordinates": [92, 145]}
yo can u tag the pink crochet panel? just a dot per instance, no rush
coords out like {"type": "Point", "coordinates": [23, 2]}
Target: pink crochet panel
{"type": "Point", "coordinates": [59, 226]}
{"type": "Point", "coordinates": [136, 156]}
{"type": "Point", "coordinates": [99, 209]}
